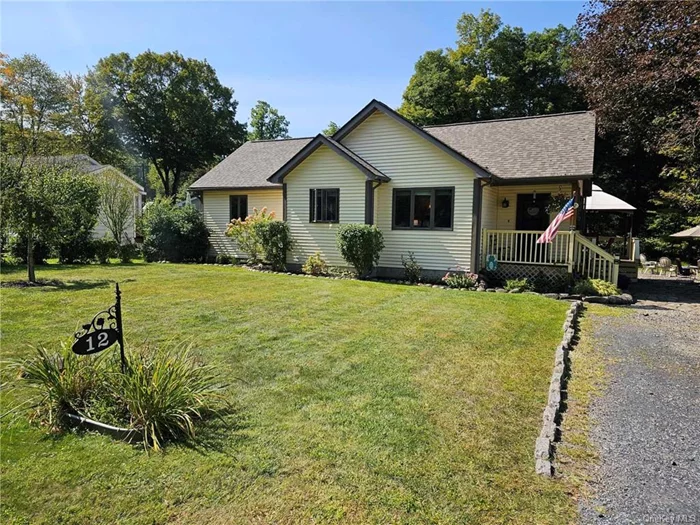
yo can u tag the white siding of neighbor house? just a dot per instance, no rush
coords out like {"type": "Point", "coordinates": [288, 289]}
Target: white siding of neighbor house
{"type": "Point", "coordinates": [506, 216]}
{"type": "Point", "coordinates": [322, 169]}
{"type": "Point", "coordinates": [413, 162]}
{"type": "Point", "coordinates": [215, 208]}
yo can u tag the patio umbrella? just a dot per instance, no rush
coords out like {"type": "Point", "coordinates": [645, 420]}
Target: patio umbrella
{"type": "Point", "coordinates": [690, 233]}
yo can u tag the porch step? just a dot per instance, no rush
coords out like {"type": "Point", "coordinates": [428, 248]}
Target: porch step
{"type": "Point", "coordinates": [629, 269]}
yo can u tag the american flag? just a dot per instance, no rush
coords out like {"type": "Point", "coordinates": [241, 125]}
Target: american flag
{"type": "Point", "coordinates": [566, 213]}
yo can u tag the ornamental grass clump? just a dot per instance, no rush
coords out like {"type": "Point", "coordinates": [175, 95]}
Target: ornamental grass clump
{"type": "Point", "coordinates": [61, 383]}
{"type": "Point", "coordinates": [163, 394]}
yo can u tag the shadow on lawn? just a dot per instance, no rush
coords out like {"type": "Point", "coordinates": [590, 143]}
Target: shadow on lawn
{"type": "Point", "coordinates": [54, 285]}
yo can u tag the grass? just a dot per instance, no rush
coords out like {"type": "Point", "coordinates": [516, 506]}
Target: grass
{"type": "Point", "coordinates": [356, 402]}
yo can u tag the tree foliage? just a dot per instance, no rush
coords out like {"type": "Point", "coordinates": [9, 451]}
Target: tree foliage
{"type": "Point", "coordinates": [170, 109]}
{"type": "Point", "coordinates": [331, 129]}
{"type": "Point", "coordinates": [117, 206]}
{"type": "Point", "coordinates": [494, 71]}
{"type": "Point", "coordinates": [42, 201]}
{"type": "Point", "coordinates": [33, 97]}
{"type": "Point", "coordinates": [638, 67]}
{"type": "Point", "coordinates": [266, 123]}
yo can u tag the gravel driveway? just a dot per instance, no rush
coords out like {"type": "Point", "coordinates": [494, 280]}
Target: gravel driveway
{"type": "Point", "coordinates": [647, 425]}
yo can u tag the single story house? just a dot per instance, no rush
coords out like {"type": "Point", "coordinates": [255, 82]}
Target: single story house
{"type": "Point", "coordinates": [456, 195]}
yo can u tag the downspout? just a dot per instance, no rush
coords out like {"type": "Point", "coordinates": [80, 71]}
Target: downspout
{"type": "Point", "coordinates": [369, 200]}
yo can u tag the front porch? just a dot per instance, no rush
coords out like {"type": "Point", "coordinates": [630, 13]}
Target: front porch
{"type": "Point", "coordinates": [518, 255]}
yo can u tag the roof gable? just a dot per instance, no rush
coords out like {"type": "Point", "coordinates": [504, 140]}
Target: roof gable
{"type": "Point", "coordinates": [375, 106]}
{"type": "Point", "coordinates": [370, 171]}
{"type": "Point", "coordinates": [543, 147]}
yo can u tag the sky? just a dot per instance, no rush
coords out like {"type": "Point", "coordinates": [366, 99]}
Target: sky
{"type": "Point", "coordinates": [314, 62]}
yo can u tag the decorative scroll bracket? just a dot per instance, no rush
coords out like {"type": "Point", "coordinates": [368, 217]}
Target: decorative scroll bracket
{"type": "Point", "coordinates": [102, 332]}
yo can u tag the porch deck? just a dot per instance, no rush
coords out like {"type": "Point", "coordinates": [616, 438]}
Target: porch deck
{"type": "Point", "coordinates": [569, 251]}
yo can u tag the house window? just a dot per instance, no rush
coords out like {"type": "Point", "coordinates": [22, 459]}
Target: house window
{"type": "Point", "coordinates": [423, 208]}
{"type": "Point", "coordinates": [324, 205]}
{"type": "Point", "coordinates": [237, 207]}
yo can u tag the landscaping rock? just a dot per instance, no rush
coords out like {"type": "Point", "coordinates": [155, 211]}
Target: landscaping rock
{"type": "Point", "coordinates": [551, 295]}
{"type": "Point", "coordinates": [515, 290]}
{"type": "Point", "coordinates": [490, 289]}
{"type": "Point", "coordinates": [500, 290]}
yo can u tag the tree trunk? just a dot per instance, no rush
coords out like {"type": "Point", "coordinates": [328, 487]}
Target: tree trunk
{"type": "Point", "coordinates": [31, 277]}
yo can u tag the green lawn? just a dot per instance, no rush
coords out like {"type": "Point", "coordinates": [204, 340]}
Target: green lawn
{"type": "Point", "coordinates": [355, 402]}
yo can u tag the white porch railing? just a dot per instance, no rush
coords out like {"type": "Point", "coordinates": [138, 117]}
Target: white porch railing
{"type": "Point", "coordinates": [569, 248]}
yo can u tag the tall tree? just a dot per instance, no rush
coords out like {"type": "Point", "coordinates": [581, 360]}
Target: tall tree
{"type": "Point", "coordinates": [331, 129]}
{"type": "Point", "coordinates": [88, 122]}
{"type": "Point", "coordinates": [172, 110]}
{"type": "Point", "coordinates": [494, 71]}
{"type": "Point", "coordinates": [266, 123]}
{"type": "Point", "coordinates": [638, 67]}
{"type": "Point", "coordinates": [32, 98]}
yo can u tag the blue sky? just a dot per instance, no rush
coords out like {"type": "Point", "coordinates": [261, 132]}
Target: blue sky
{"type": "Point", "coordinates": [315, 62]}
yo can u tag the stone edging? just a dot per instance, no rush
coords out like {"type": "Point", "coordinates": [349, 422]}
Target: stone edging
{"type": "Point", "coordinates": [544, 444]}
{"type": "Point", "coordinates": [622, 299]}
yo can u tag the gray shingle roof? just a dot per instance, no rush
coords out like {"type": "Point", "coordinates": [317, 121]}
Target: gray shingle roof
{"type": "Point", "coordinates": [82, 162]}
{"type": "Point", "coordinates": [251, 165]}
{"type": "Point", "coordinates": [526, 148]}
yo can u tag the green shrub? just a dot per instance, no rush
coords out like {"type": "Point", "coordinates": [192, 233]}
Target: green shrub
{"type": "Point", "coordinates": [128, 252]}
{"type": "Point", "coordinates": [460, 279]}
{"type": "Point", "coordinates": [518, 284]}
{"type": "Point", "coordinates": [173, 234]}
{"type": "Point", "coordinates": [595, 287]}
{"type": "Point", "coordinates": [246, 232]}
{"type": "Point", "coordinates": [315, 265]}
{"type": "Point", "coordinates": [78, 248]}
{"type": "Point", "coordinates": [360, 245]}
{"type": "Point", "coordinates": [411, 269]}
{"type": "Point", "coordinates": [18, 250]}
{"type": "Point", "coordinates": [165, 392]}
{"type": "Point", "coordinates": [223, 258]}
{"type": "Point", "coordinates": [105, 249]}
{"type": "Point", "coordinates": [276, 241]}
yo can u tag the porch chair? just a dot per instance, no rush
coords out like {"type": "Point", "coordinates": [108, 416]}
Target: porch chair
{"type": "Point", "coordinates": [683, 270]}
{"type": "Point", "coordinates": [647, 266]}
{"type": "Point", "coordinates": [665, 266]}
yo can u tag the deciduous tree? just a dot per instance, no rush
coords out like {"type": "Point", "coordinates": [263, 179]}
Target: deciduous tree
{"type": "Point", "coordinates": [331, 129]}
{"type": "Point", "coordinates": [639, 69]}
{"type": "Point", "coordinates": [32, 98]}
{"type": "Point", "coordinates": [170, 109]}
{"type": "Point", "coordinates": [266, 123]}
{"type": "Point", "coordinates": [40, 199]}
{"type": "Point", "coordinates": [494, 71]}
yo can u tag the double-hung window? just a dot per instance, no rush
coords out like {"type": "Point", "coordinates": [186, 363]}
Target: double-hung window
{"type": "Point", "coordinates": [423, 208]}
{"type": "Point", "coordinates": [324, 205]}
{"type": "Point", "coordinates": [237, 207]}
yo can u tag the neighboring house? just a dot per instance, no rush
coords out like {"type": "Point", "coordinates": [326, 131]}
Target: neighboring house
{"type": "Point", "coordinates": [89, 165]}
{"type": "Point", "coordinates": [453, 195]}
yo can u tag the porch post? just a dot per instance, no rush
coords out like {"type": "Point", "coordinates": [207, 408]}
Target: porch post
{"type": "Point", "coordinates": [570, 253]}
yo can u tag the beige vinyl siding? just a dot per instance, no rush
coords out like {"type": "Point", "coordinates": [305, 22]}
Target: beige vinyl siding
{"type": "Point", "coordinates": [216, 214]}
{"type": "Point", "coordinates": [489, 207]}
{"type": "Point", "coordinates": [506, 216]}
{"type": "Point", "coordinates": [322, 169]}
{"type": "Point", "coordinates": [413, 162]}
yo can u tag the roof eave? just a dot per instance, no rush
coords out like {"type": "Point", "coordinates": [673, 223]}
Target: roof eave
{"type": "Point", "coordinates": [512, 181]}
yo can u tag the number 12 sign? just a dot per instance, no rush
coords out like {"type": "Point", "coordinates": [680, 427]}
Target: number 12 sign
{"type": "Point", "coordinates": [103, 331]}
